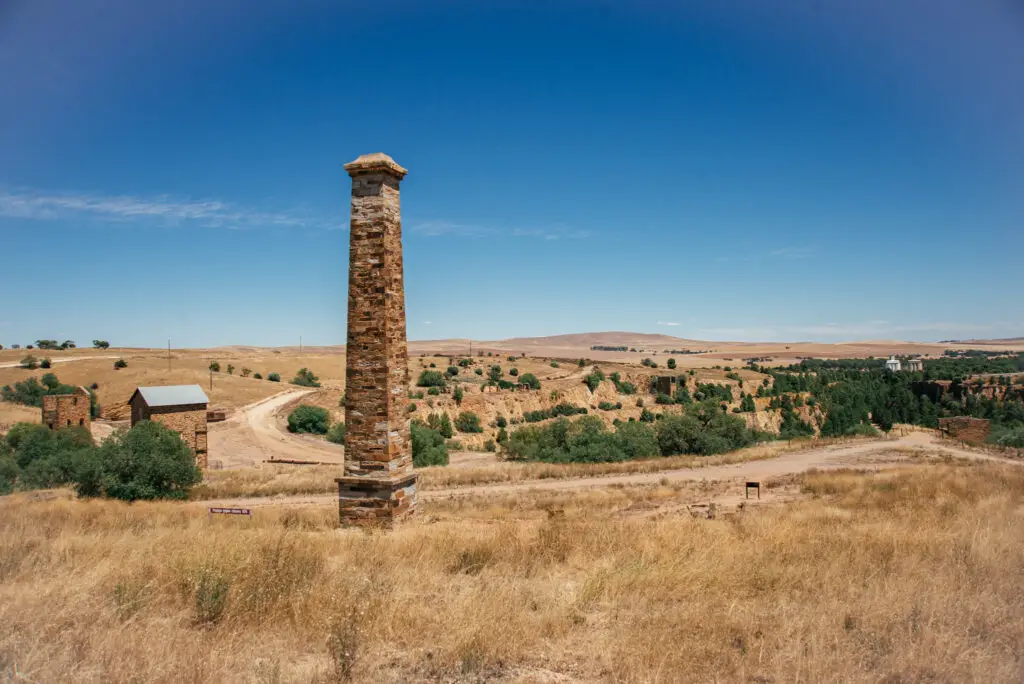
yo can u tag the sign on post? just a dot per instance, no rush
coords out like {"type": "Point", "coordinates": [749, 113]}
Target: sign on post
{"type": "Point", "coordinates": [231, 511]}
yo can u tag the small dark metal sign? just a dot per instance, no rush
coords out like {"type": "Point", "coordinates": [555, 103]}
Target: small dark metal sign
{"type": "Point", "coordinates": [232, 511]}
{"type": "Point", "coordinates": [753, 485]}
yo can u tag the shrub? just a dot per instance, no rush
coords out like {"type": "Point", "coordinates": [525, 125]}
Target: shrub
{"type": "Point", "coordinates": [502, 435]}
{"type": "Point", "coordinates": [585, 440]}
{"type": "Point", "coordinates": [100, 344]}
{"type": "Point", "coordinates": [490, 446]}
{"type": "Point", "coordinates": [45, 363]}
{"type": "Point", "coordinates": [428, 446]}
{"type": "Point", "coordinates": [119, 364]}
{"type": "Point", "coordinates": [257, 376]}
{"type": "Point", "coordinates": [555, 364]}
{"type": "Point", "coordinates": [671, 363]}
{"type": "Point", "coordinates": [434, 391]}
{"type": "Point", "coordinates": [149, 461]}
{"type": "Point", "coordinates": [607, 406]}
{"type": "Point", "coordinates": [430, 378]}
{"type": "Point", "coordinates": [245, 372]}
{"type": "Point", "coordinates": [231, 369]}
{"type": "Point", "coordinates": [478, 371]}
{"type": "Point", "coordinates": [412, 407]}
{"type": "Point", "coordinates": [494, 373]}
{"type": "Point", "coordinates": [43, 457]}
{"type": "Point", "coordinates": [444, 426]}
{"type": "Point", "coordinates": [215, 366]}
{"type": "Point", "coordinates": [305, 378]}
{"type": "Point", "coordinates": [465, 363]}
{"type": "Point", "coordinates": [664, 399]}
{"type": "Point", "coordinates": [311, 419]}
{"type": "Point", "coordinates": [468, 421]}
{"type": "Point", "coordinates": [506, 384]}
{"type": "Point", "coordinates": [513, 372]}
{"type": "Point", "coordinates": [500, 422]}
{"type": "Point", "coordinates": [646, 416]}
{"type": "Point", "coordinates": [274, 377]}
{"type": "Point", "coordinates": [336, 433]}
{"type": "Point", "coordinates": [529, 380]}
{"type": "Point", "coordinates": [703, 430]}
{"type": "Point", "coordinates": [30, 362]}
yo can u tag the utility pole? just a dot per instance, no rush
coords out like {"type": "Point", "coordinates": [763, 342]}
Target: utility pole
{"type": "Point", "coordinates": [211, 376]}
{"type": "Point", "coordinates": [168, 354]}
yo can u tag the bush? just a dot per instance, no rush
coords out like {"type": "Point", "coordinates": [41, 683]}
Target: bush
{"type": "Point", "coordinates": [430, 378]}
{"type": "Point", "coordinates": [444, 426]}
{"type": "Point", "coordinates": [664, 399]}
{"type": "Point", "coordinates": [594, 379]}
{"type": "Point", "coordinates": [530, 380]}
{"type": "Point", "coordinates": [671, 363]}
{"type": "Point", "coordinates": [310, 419]}
{"type": "Point", "coordinates": [458, 395]}
{"type": "Point", "coordinates": [305, 378]}
{"type": "Point", "coordinates": [30, 362]}
{"type": "Point", "coordinates": [231, 369]}
{"type": "Point", "coordinates": [428, 447]}
{"type": "Point", "coordinates": [434, 391]}
{"type": "Point", "coordinates": [490, 446]}
{"type": "Point", "coordinates": [555, 364]}
{"type": "Point", "coordinates": [608, 406]}
{"type": "Point", "coordinates": [465, 363]}
{"type": "Point", "coordinates": [1013, 438]}
{"type": "Point", "coordinates": [273, 377]}
{"type": "Point", "coordinates": [336, 433]}
{"type": "Point", "coordinates": [452, 371]}
{"type": "Point", "coordinates": [119, 364]}
{"type": "Point", "coordinates": [45, 363]}
{"type": "Point", "coordinates": [257, 376]}
{"type": "Point", "coordinates": [215, 366]}
{"type": "Point", "coordinates": [42, 457]}
{"type": "Point", "coordinates": [704, 430]}
{"type": "Point", "coordinates": [149, 461]}
{"type": "Point", "coordinates": [468, 421]}
{"type": "Point", "coordinates": [100, 344]}
{"type": "Point", "coordinates": [513, 372]}
{"type": "Point", "coordinates": [586, 440]}
{"type": "Point", "coordinates": [478, 371]}
{"type": "Point", "coordinates": [245, 372]}
{"type": "Point", "coordinates": [501, 422]}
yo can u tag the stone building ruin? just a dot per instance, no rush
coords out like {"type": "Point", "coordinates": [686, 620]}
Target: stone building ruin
{"type": "Point", "coordinates": [67, 410]}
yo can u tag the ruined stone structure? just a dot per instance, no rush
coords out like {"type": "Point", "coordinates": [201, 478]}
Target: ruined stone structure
{"type": "Point", "coordinates": [182, 408]}
{"type": "Point", "coordinates": [663, 384]}
{"type": "Point", "coordinates": [379, 485]}
{"type": "Point", "coordinates": [67, 410]}
{"type": "Point", "coordinates": [965, 429]}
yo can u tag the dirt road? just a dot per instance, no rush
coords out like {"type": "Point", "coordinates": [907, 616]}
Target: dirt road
{"type": "Point", "coordinates": [863, 455]}
{"type": "Point", "coordinates": [42, 354]}
{"type": "Point", "coordinates": [252, 435]}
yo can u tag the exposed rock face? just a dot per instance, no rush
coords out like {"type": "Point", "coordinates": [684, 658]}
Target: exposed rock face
{"type": "Point", "coordinates": [379, 483]}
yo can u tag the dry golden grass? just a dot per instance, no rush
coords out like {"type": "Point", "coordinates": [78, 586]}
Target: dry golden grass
{"type": "Point", "coordinates": [893, 577]}
{"type": "Point", "coordinates": [284, 480]}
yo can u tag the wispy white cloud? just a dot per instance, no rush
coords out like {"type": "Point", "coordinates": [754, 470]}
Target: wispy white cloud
{"type": "Point", "coordinates": [441, 228]}
{"type": "Point", "coordinates": [793, 252]}
{"type": "Point", "coordinates": [672, 323]}
{"type": "Point", "coordinates": [44, 206]}
{"type": "Point", "coordinates": [849, 331]}
{"type": "Point", "coordinates": [428, 322]}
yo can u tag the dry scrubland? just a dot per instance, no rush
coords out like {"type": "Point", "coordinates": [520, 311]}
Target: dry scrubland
{"type": "Point", "coordinates": [891, 577]}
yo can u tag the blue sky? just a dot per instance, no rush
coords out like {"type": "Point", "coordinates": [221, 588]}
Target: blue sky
{"type": "Point", "coordinates": [814, 171]}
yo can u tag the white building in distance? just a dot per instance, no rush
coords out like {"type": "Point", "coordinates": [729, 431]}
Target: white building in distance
{"type": "Point", "coordinates": [893, 364]}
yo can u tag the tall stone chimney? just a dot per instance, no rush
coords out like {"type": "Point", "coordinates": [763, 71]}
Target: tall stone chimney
{"type": "Point", "coordinates": [379, 485]}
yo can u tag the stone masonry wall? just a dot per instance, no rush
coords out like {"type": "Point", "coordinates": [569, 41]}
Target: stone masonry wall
{"type": "Point", "coordinates": [187, 420]}
{"type": "Point", "coordinates": [965, 429]}
{"type": "Point", "coordinates": [377, 440]}
{"type": "Point", "coordinates": [66, 410]}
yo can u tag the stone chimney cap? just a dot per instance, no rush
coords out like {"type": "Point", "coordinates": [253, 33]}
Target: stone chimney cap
{"type": "Point", "coordinates": [376, 162]}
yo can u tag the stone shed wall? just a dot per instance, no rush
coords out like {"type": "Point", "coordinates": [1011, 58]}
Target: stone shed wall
{"type": "Point", "coordinates": [66, 410]}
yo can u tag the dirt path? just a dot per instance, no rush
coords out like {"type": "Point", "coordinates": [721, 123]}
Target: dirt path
{"type": "Point", "coordinates": [252, 435]}
{"type": "Point", "coordinates": [42, 353]}
{"type": "Point", "coordinates": [864, 455]}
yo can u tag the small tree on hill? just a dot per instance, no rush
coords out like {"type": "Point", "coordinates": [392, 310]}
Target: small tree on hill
{"type": "Point", "coordinates": [336, 433]}
{"type": "Point", "coordinates": [445, 426]}
{"type": "Point", "coordinates": [529, 380]}
{"type": "Point", "coordinates": [101, 344]}
{"type": "Point", "coordinates": [468, 422]}
{"type": "Point", "coordinates": [305, 378]}
{"type": "Point", "coordinates": [119, 364]}
{"type": "Point", "coordinates": [458, 395]}
{"type": "Point", "coordinates": [671, 363]}
{"type": "Point", "coordinates": [430, 378]}
{"type": "Point", "coordinates": [428, 447]}
{"type": "Point", "coordinates": [231, 369]}
{"type": "Point", "coordinates": [273, 377]}
{"type": "Point", "coordinates": [215, 366]}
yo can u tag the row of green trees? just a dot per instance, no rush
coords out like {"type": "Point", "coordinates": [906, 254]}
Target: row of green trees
{"type": "Point", "coordinates": [702, 429]}
{"type": "Point", "coordinates": [30, 392]}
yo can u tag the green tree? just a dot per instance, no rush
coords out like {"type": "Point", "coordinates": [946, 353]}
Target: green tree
{"type": "Point", "coordinates": [458, 395]}
{"type": "Point", "coordinates": [215, 366]}
{"type": "Point", "coordinates": [445, 426]}
{"type": "Point", "coordinates": [428, 446]}
{"type": "Point", "coordinates": [149, 461]}
{"type": "Point", "coordinates": [467, 421]}
{"type": "Point", "coordinates": [305, 378]}
{"type": "Point", "coordinates": [671, 363]}
{"type": "Point", "coordinates": [336, 433]}
{"type": "Point", "coordinates": [231, 369]}
{"type": "Point", "coordinates": [529, 380]}
{"type": "Point", "coordinates": [119, 364]}
{"type": "Point", "coordinates": [101, 344]}
{"type": "Point", "coordinates": [311, 419]}
{"type": "Point", "coordinates": [273, 377]}
{"type": "Point", "coordinates": [430, 378]}
{"type": "Point", "coordinates": [30, 362]}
